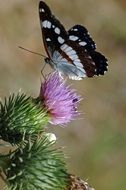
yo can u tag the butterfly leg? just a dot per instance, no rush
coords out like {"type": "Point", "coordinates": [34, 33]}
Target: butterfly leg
{"type": "Point", "coordinates": [43, 70]}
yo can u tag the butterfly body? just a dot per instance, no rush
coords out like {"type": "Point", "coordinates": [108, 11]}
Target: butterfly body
{"type": "Point", "coordinates": [72, 53]}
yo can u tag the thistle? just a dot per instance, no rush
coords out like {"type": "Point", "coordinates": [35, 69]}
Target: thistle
{"type": "Point", "coordinates": [36, 166]}
{"type": "Point", "coordinates": [59, 99]}
{"type": "Point", "coordinates": [20, 117]}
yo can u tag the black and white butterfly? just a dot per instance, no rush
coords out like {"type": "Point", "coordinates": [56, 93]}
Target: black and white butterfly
{"type": "Point", "coordinates": [72, 53]}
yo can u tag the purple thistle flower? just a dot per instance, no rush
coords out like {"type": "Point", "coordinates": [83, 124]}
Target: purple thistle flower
{"type": "Point", "coordinates": [60, 100]}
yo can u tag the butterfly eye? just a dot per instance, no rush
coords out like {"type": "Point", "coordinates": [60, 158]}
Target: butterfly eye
{"type": "Point", "coordinates": [47, 60]}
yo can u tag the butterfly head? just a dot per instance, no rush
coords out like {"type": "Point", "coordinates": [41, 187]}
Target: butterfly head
{"type": "Point", "coordinates": [49, 61]}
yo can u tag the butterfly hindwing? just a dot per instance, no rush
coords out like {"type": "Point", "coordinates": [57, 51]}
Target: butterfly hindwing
{"type": "Point", "coordinates": [81, 36]}
{"type": "Point", "coordinates": [100, 62]}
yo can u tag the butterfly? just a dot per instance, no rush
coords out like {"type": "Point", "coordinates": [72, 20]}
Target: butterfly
{"type": "Point", "coordinates": [72, 53]}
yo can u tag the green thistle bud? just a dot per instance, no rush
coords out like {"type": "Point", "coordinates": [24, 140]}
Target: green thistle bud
{"type": "Point", "coordinates": [36, 166]}
{"type": "Point", "coordinates": [20, 117]}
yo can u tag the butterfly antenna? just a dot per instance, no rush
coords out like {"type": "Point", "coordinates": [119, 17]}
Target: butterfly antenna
{"type": "Point", "coordinates": [36, 54]}
{"type": "Point", "coordinates": [32, 51]}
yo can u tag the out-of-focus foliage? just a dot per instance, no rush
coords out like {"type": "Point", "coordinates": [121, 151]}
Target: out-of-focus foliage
{"type": "Point", "coordinates": [96, 143]}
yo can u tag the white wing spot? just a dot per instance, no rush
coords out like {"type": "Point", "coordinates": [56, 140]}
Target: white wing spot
{"type": "Point", "coordinates": [48, 24]}
{"type": "Point", "coordinates": [41, 10]}
{"type": "Point", "coordinates": [75, 29]}
{"type": "Point", "coordinates": [53, 26]}
{"type": "Point", "coordinates": [48, 40]}
{"type": "Point", "coordinates": [60, 40]}
{"type": "Point", "coordinates": [75, 77]}
{"type": "Point", "coordinates": [63, 60]}
{"type": "Point", "coordinates": [93, 63]}
{"type": "Point", "coordinates": [57, 30]}
{"type": "Point", "coordinates": [64, 46]}
{"type": "Point", "coordinates": [73, 38]}
{"type": "Point", "coordinates": [68, 49]}
{"type": "Point", "coordinates": [78, 64]}
{"type": "Point", "coordinates": [72, 52]}
{"type": "Point", "coordinates": [82, 43]}
{"type": "Point", "coordinates": [77, 60]}
{"type": "Point", "coordinates": [44, 23]}
{"type": "Point", "coordinates": [73, 57]}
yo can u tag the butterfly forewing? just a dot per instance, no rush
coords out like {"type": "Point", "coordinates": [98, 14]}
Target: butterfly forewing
{"type": "Point", "coordinates": [64, 53]}
{"type": "Point", "coordinates": [53, 32]}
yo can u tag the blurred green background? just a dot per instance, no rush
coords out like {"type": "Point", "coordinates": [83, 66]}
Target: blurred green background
{"type": "Point", "coordinates": [96, 143]}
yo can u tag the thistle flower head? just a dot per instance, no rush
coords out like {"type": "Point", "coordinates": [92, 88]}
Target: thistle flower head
{"type": "Point", "coordinates": [59, 99]}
